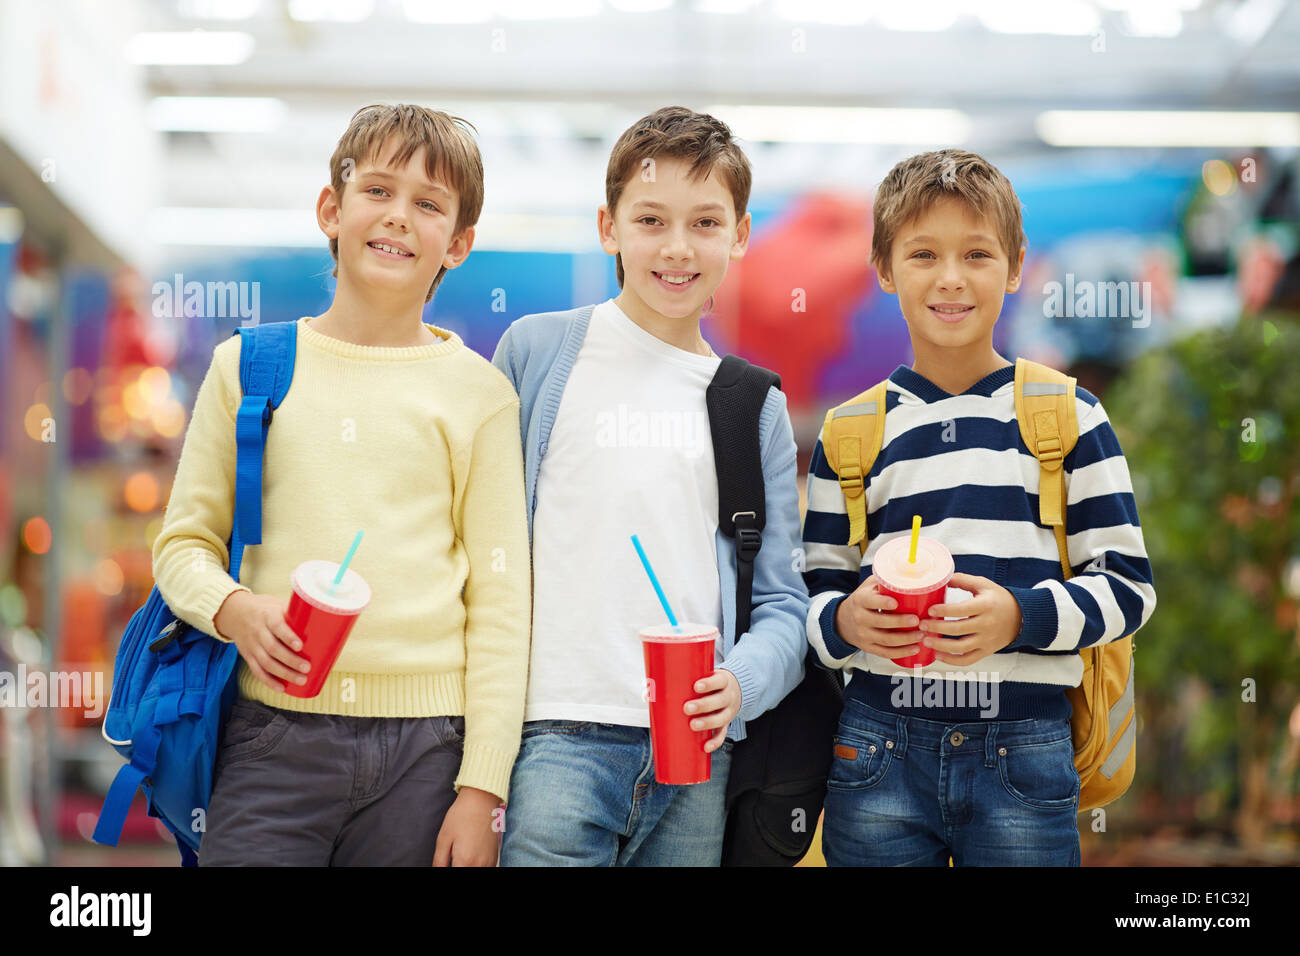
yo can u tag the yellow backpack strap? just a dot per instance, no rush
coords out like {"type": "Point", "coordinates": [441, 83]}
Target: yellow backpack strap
{"type": "Point", "coordinates": [1049, 425]}
{"type": "Point", "coordinates": [851, 439]}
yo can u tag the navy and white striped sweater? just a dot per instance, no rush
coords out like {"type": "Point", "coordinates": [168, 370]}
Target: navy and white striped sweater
{"type": "Point", "coordinates": [960, 463]}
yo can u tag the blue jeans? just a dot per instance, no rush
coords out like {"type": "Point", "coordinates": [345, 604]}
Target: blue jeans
{"type": "Point", "coordinates": [904, 791]}
{"type": "Point", "coordinates": [584, 794]}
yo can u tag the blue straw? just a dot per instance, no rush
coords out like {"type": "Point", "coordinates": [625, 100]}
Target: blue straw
{"type": "Point", "coordinates": [346, 561]}
{"type": "Point", "coordinates": [645, 562]}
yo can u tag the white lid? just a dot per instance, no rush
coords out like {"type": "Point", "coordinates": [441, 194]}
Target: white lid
{"type": "Point", "coordinates": [682, 632]}
{"type": "Point", "coordinates": [312, 580]}
{"type": "Point", "coordinates": [933, 565]}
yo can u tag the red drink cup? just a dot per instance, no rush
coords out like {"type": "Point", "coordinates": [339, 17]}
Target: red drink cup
{"type": "Point", "coordinates": [675, 658]}
{"type": "Point", "coordinates": [916, 586]}
{"type": "Point", "coordinates": [323, 619]}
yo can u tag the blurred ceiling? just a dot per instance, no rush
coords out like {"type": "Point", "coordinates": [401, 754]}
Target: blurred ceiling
{"type": "Point", "coordinates": [549, 84]}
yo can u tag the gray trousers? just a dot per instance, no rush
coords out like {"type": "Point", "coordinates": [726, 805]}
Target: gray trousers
{"type": "Point", "coordinates": [295, 789]}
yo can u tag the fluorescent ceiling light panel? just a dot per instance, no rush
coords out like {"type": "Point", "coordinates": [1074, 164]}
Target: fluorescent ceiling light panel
{"type": "Point", "coordinates": [190, 48]}
{"type": "Point", "coordinates": [837, 12]}
{"type": "Point", "coordinates": [640, 6]}
{"type": "Point", "coordinates": [218, 9]}
{"type": "Point", "coordinates": [195, 226]}
{"type": "Point", "coordinates": [1065, 17]}
{"type": "Point", "coordinates": [1183, 128]}
{"type": "Point", "coordinates": [445, 11]}
{"type": "Point", "coordinates": [830, 124]}
{"type": "Point", "coordinates": [216, 114]}
{"type": "Point", "coordinates": [338, 11]}
{"type": "Point", "coordinates": [546, 9]}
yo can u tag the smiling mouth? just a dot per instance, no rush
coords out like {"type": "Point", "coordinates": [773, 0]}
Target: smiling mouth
{"type": "Point", "coordinates": [951, 313]}
{"type": "Point", "coordinates": [390, 250]}
{"type": "Point", "coordinates": [676, 280]}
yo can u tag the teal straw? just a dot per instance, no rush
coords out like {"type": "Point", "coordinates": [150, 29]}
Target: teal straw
{"type": "Point", "coordinates": [343, 568]}
{"type": "Point", "coordinates": [645, 562]}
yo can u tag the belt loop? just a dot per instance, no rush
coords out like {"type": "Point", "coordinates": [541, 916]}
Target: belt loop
{"type": "Point", "coordinates": [991, 745]}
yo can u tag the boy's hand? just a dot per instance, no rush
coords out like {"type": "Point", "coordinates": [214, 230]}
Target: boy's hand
{"type": "Point", "coordinates": [991, 622]}
{"type": "Point", "coordinates": [255, 622]}
{"type": "Point", "coordinates": [467, 837]}
{"type": "Point", "coordinates": [717, 709]}
{"type": "Point", "coordinates": [863, 620]}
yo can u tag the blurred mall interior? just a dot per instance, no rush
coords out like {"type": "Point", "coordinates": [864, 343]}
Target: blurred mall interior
{"type": "Point", "coordinates": [149, 144]}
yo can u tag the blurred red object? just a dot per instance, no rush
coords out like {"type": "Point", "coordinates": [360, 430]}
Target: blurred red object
{"type": "Point", "coordinates": [126, 335]}
{"type": "Point", "coordinates": [788, 303]}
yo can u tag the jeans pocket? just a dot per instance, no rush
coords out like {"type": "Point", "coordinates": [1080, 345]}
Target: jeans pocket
{"type": "Point", "coordinates": [450, 731]}
{"type": "Point", "coordinates": [252, 730]}
{"type": "Point", "coordinates": [1041, 775]}
{"type": "Point", "coordinates": [861, 758]}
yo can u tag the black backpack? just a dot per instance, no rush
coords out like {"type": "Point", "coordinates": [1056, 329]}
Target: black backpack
{"type": "Point", "coordinates": [777, 783]}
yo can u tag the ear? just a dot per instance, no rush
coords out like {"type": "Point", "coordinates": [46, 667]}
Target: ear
{"type": "Point", "coordinates": [886, 281]}
{"type": "Point", "coordinates": [741, 244]}
{"type": "Point", "coordinates": [1017, 272]}
{"type": "Point", "coordinates": [605, 226]}
{"type": "Point", "coordinates": [327, 212]}
{"type": "Point", "coordinates": [459, 249]}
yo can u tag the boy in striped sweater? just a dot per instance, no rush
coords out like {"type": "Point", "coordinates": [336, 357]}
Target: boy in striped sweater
{"type": "Point", "coordinates": [974, 759]}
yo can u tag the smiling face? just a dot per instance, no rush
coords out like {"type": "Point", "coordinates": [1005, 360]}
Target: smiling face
{"type": "Point", "coordinates": [950, 273]}
{"type": "Point", "coordinates": [675, 235]}
{"type": "Point", "coordinates": [394, 226]}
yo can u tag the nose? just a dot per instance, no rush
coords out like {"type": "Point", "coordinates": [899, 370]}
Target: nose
{"type": "Point", "coordinates": [676, 245]}
{"type": "Point", "coordinates": [396, 219]}
{"type": "Point", "coordinates": [950, 276]}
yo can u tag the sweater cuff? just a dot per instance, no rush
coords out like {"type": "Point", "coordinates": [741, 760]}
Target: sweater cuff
{"type": "Point", "coordinates": [209, 603]}
{"type": "Point", "coordinates": [1039, 624]}
{"type": "Point", "coordinates": [836, 646]}
{"type": "Point", "coordinates": [486, 768]}
{"type": "Point", "coordinates": [749, 685]}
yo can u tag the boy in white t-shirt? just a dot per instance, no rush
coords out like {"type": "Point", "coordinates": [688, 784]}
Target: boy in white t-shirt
{"type": "Point", "coordinates": [617, 441]}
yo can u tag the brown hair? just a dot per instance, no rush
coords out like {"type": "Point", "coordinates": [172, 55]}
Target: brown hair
{"type": "Point", "coordinates": [680, 133]}
{"type": "Point", "coordinates": [915, 184]}
{"type": "Point", "coordinates": [450, 154]}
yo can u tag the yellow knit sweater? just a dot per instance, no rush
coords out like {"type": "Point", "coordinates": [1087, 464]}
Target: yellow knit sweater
{"type": "Point", "coordinates": [420, 448]}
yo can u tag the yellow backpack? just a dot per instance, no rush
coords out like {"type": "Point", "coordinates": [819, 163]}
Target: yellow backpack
{"type": "Point", "coordinates": [1104, 721]}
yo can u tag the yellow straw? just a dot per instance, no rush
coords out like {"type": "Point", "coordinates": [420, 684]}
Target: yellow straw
{"type": "Point", "coordinates": [916, 533]}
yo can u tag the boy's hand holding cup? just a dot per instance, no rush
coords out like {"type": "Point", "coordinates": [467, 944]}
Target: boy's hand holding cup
{"type": "Point", "coordinates": [256, 624]}
{"type": "Point", "coordinates": [864, 619]}
{"type": "Point", "coordinates": [910, 576]}
{"type": "Point", "coordinates": [326, 600]}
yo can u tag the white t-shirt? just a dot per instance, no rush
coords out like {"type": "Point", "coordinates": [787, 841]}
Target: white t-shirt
{"type": "Point", "coordinates": [630, 453]}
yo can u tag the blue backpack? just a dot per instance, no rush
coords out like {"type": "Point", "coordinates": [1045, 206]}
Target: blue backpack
{"type": "Point", "coordinates": [173, 686]}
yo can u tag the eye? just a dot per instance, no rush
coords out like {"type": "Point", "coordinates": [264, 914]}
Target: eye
{"type": "Point", "coordinates": [373, 188]}
{"type": "Point", "coordinates": [711, 223]}
{"type": "Point", "coordinates": [649, 219]}
{"type": "Point", "coordinates": [978, 252]}
{"type": "Point", "coordinates": [430, 204]}
{"type": "Point", "coordinates": [922, 253]}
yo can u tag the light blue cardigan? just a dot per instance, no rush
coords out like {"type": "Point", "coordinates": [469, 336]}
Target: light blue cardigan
{"type": "Point", "coordinates": [537, 354]}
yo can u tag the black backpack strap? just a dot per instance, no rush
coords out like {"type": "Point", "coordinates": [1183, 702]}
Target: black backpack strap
{"type": "Point", "coordinates": [735, 400]}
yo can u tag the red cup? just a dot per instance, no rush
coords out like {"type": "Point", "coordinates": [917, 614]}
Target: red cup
{"type": "Point", "coordinates": [323, 618]}
{"type": "Point", "coordinates": [916, 586]}
{"type": "Point", "coordinates": [675, 658]}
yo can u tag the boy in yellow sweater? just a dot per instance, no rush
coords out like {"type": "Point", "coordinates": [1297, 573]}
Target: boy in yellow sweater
{"type": "Point", "coordinates": [395, 427]}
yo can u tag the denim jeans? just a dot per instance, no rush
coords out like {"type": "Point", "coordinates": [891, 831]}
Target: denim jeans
{"type": "Point", "coordinates": [584, 794]}
{"type": "Point", "coordinates": [905, 791]}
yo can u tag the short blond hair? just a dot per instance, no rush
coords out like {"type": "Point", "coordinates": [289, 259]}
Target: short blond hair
{"type": "Point", "coordinates": [450, 154]}
{"type": "Point", "coordinates": [679, 133]}
{"type": "Point", "coordinates": [918, 182]}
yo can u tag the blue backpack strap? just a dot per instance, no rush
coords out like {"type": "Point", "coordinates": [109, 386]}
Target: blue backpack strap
{"type": "Point", "coordinates": [117, 804]}
{"type": "Point", "coordinates": [266, 359]}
